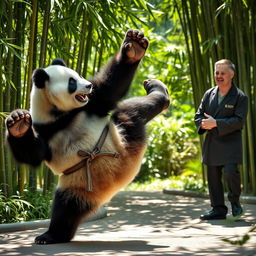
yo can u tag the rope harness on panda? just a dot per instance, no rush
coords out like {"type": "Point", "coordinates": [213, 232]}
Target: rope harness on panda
{"type": "Point", "coordinates": [90, 156]}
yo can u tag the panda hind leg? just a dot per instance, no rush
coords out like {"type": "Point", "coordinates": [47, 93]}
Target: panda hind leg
{"type": "Point", "coordinates": [140, 110]}
{"type": "Point", "coordinates": [133, 114]}
{"type": "Point", "coordinates": [154, 86]}
{"type": "Point", "coordinates": [143, 109]}
{"type": "Point", "coordinates": [67, 212]}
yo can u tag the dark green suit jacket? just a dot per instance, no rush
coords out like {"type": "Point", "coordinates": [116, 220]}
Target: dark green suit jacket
{"type": "Point", "coordinates": [223, 144]}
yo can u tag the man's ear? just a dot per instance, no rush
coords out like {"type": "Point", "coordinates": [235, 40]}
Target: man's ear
{"type": "Point", "coordinates": [39, 78]}
{"type": "Point", "coordinates": [232, 74]}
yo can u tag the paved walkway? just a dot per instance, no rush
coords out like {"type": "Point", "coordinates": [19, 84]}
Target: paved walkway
{"type": "Point", "coordinates": [142, 224]}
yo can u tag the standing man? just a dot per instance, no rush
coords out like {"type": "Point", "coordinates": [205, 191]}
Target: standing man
{"type": "Point", "coordinates": [222, 114]}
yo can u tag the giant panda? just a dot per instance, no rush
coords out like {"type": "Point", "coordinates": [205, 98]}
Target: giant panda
{"type": "Point", "coordinates": [70, 128]}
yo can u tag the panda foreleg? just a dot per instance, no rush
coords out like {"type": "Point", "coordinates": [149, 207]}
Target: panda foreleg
{"type": "Point", "coordinates": [114, 80]}
{"type": "Point", "coordinates": [67, 212]}
{"type": "Point", "coordinates": [25, 146]}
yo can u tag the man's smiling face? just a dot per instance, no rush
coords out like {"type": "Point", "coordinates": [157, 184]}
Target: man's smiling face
{"type": "Point", "coordinates": [223, 75]}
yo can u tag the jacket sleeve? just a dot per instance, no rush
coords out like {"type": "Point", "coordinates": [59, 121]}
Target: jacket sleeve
{"type": "Point", "coordinates": [230, 124]}
{"type": "Point", "coordinates": [200, 114]}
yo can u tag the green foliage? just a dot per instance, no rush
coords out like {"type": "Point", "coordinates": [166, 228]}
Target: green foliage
{"type": "Point", "coordinates": [13, 209]}
{"type": "Point", "coordinates": [18, 208]}
{"type": "Point", "coordinates": [171, 143]}
{"type": "Point", "coordinates": [41, 205]}
{"type": "Point", "coordinates": [192, 182]}
{"type": "Point", "coordinates": [152, 184]}
{"type": "Point", "coordinates": [167, 61]}
{"type": "Point", "coordinates": [181, 182]}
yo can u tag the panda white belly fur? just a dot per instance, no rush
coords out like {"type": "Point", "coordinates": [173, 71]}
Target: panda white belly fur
{"type": "Point", "coordinates": [109, 174]}
{"type": "Point", "coordinates": [81, 134]}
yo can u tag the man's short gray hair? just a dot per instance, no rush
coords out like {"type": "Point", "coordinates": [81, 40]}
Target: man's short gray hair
{"type": "Point", "coordinates": [227, 62]}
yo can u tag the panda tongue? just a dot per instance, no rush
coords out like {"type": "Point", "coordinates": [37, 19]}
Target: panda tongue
{"type": "Point", "coordinates": [81, 97]}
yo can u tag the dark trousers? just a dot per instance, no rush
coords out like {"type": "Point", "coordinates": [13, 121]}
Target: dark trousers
{"type": "Point", "coordinates": [231, 177]}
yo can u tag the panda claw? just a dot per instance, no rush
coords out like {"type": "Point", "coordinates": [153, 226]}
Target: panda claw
{"type": "Point", "coordinates": [129, 45]}
{"type": "Point", "coordinates": [18, 122]}
{"type": "Point", "coordinates": [49, 238]}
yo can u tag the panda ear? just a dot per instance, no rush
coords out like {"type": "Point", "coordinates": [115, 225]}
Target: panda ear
{"type": "Point", "coordinates": [59, 62]}
{"type": "Point", "coordinates": [39, 78]}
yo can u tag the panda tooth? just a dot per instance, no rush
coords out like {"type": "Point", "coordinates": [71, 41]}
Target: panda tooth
{"type": "Point", "coordinates": [82, 97]}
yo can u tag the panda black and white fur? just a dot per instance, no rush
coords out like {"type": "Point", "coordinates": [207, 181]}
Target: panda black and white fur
{"type": "Point", "coordinates": [68, 114]}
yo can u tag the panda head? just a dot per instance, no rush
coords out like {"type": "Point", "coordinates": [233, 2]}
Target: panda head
{"type": "Point", "coordinates": [63, 87]}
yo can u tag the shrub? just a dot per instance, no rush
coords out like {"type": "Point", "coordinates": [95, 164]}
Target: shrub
{"type": "Point", "coordinates": [13, 208]}
{"type": "Point", "coordinates": [41, 202]}
{"type": "Point", "coordinates": [18, 208]}
{"type": "Point", "coordinates": [180, 182]}
{"type": "Point", "coordinates": [171, 143]}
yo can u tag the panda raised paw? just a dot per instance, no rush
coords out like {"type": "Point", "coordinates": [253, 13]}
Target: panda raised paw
{"type": "Point", "coordinates": [18, 122]}
{"type": "Point", "coordinates": [155, 85]}
{"type": "Point", "coordinates": [134, 45]}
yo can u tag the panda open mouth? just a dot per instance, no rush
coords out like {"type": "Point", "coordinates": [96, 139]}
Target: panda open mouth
{"type": "Point", "coordinates": [81, 98]}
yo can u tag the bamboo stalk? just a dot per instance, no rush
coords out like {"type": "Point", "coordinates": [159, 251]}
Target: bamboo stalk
{"type": "Point", "coordinates": [243, 77]}
{"type": "Point", "coordinates": [44, 36]}
{"type": "Point", "coordinates": [88, 48]}
{"type": "Point", "coordinates": [82, 42]}
{"type": "Point", "coordinates": [31, 49]}
{"type": "Point", "coordinates": [201, 26]}
{"type": "Point", "coordinates": [2, 132]}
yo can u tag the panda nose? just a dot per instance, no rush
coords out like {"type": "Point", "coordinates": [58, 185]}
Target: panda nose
{"type": "Point", "coordinates": [88, 86]}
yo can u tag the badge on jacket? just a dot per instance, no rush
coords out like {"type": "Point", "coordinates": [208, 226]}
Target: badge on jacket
{"type": "Point", "coordinates": [229, 106]}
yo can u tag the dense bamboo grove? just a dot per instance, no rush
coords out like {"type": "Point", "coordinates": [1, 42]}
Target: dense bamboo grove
{"type": "Point", "coordinates": [214, 30]}
{"type": "Point", "coordinates": [32, 33]}
{"type": "Point", "coordinates": [85, 33]}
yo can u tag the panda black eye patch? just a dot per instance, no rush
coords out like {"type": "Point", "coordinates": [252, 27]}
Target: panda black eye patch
{"type": "Point", "coordinates": [72, 85]}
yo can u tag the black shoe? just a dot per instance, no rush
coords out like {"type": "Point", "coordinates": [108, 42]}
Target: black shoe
{"type": "Point", "coordinates": [237, 210]}
{"type": "Point", "coordinates": [213, 215]}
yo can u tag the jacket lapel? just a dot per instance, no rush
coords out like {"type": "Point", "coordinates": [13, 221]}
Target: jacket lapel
{"type": "Point", "coordinates": [229, 96]}
{"type": "Point", "coordinates": [213, 101]}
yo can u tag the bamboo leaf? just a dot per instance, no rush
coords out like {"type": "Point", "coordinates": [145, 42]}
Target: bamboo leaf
{"type": "Point", "coordinates": [141, 3]}
{"type": "Point", "coordinates": [222, 8]}
{"type": "Point", "coordinates": [95, 14]}
{"type": "Point", "coordinates": [245, 3]}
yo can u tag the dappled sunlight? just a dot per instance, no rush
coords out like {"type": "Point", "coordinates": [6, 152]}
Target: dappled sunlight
{"type": "Point", "coordinates": [165, 217]}
{"type": "Point", "coordinates": [19, 237]}
{"type": "Point", "coordinates": [145, 223]}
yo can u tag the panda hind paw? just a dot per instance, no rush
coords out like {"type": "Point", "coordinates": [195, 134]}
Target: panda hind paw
{"type": "Point", "coordinates": [154, 84]}
{"type": "Point", "coordinates": [47, 238]}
